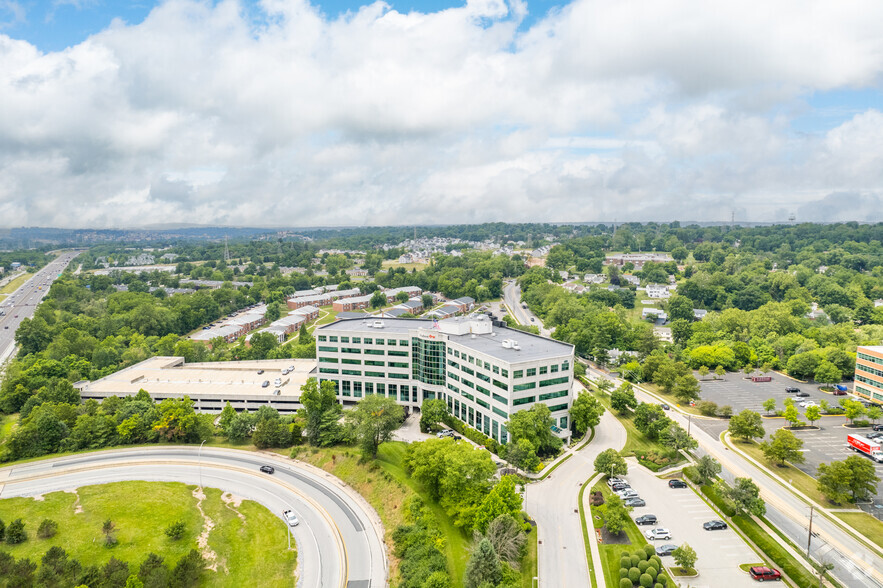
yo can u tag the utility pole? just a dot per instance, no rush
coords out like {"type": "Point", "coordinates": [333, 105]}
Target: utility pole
{"type": "Point", "coordinates": [689, 422]}
{"type": "Point", "coordinates": [809, 538]}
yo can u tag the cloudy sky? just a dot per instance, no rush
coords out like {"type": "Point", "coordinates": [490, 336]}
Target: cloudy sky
{"type": "Point", "coordinates": [287, 113]}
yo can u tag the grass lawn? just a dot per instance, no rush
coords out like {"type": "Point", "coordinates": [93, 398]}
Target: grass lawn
{"type": "Point", "coordinates": [529, 563]}
{"type": "Point", "coordinates": [388, 263]}
{"type": "Point", "coordinates": [14, 284]}
{"type": "Point", "coordinates": [865, 524]}
{"type": "Point", "coordinates": [789, 474]}
{"type": "Point", "coordinates": [7, 423]}
{"type": "Point", "coordinates": [241, 546]}
{"type": "Point", "coordinates": [670, 399]}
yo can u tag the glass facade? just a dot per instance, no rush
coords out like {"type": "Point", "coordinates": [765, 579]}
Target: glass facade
{"type": "Point", "coordinates": [428, 361]}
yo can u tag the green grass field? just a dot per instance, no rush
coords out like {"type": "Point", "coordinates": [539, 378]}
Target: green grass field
{"type": "Point", "coordinates": [7, 424]}
{"type": "Point", "coordinates": [141, 511]}
{"type": "Point", "coordinates": [14, 284]}
{"type": "Point", "coordinates": [865, 524]}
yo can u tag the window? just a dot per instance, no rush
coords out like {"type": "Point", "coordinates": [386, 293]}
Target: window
{"type": "Point", "coordinates": [393, 389]}
{"type": "Point", "coordinates": [398, 364]}
{"type": "Point", "coordinates": [351, 372]}
{"type": "Point", "coordinates": [501, 385]}
{"type": "Point", "coordinates": [391, 342]}
{"type": "Point", "coordinates": [487, 366]}
{"type": "Point", "coordinates": [327, 360]}
{"type": "Point", "coordinates": [352, 361]}
{"type": "Point", "coordinates": [322, 338]}
{"type": "Point", "coordinates": [325, 370]}
{"type": "Point", "coordinates": [558, 407]}
{"type": "Point", "coordinates": [397, 353]}
{"type": "Point", "coordinates": [367, 341]}
{"type": "Point", "coordinates": [373, 362]}
{"type": "Point", "coordinates": [454, 376]}
{"type": "Point", "coordinates": [453, 363]}
{"type": "Point", "coordinates": [500, 399]}
{"type": "Point", "coordinates": [551, 395]}
{"type": "Point", "coordinates": [468, 383]}
{"type": "Point", "coordinates": [525, 400]}
{"type": "Point", "coordinates": [481, 376]}
{"type": "Point", "coordinates": [565, 366]}
{"type": "Point", "coordinates": [350, 350]}
{"type": "Point", "coordinates": [482, 403]}
{"type": "Point", "coordinates": [553, 381]}
{"type": "Point", "coordinates": [345, 340]}
{"type": "Point", "coordinates": [531, 372]}
{"type": "Point", "coordinates": [469, 371]}
{"type": "Point", "coordinates": [328, 349]}
{"type": "Point", "coordinates": [483, 390]}
{"type": "Point", "coordinates": [543, 370]}
{"type": "Point", "coordinates": [554, 367]}
{"type": "Point", "coordinates": [375, 374]}
{"type": "Point", "coordinates": [525, 386]}
{"type": "Point", "coordinates": [403, 343]}
{"type": "Point", "coordinates": [369, 388]}
{"type": "Point", "coordinates": [496, 369]}
{"type": "Point", "coordinates": [378, 341]}
{"type": "Point", "coordinates": [346, 388]}
{"type": "Point", "coordinates": [357, 340]}
{"type": "Point", "coordinates": [502, 413]}
{"type": "Point", "coordinates": [357, 389]}
{"type": "Point", "coordinates": [374, 351]}
{"type": "Point", "coordinates": [332, 339]}
{"type": "Point", "coordinates": [518, 374]}
{"type": "Point", "coordinates": [504, 373]}
{"type": "Point", "coordinates": [456, 353]}
{"type": "Point", "coordinates": [469, 396]}
{"type": "Point", "coordinates": [398, 376]}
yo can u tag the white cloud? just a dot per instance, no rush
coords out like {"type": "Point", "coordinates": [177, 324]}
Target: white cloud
{"type": "Point", "coordinates": [601, 110]}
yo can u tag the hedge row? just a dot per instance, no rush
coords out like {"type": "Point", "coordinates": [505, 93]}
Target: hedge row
{"type": "Point", "coordinates": [472, 434]}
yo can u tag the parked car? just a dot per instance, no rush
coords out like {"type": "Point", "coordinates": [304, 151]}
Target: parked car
{"type": "Point", "coordinates": [260, 372]}
{"type": "Point", "coordinates": [665, 406]}
{"type": "Point", "coordinates": [878, 427]}
{"type": "Point", "coordinates": [268, 469]}
{"type": "Point", "coordinates": [839, 392]}
{"type": "Point", "coordinates": [802, 394]}
{"type": "Point", "coordinates": [290, 518]}
{"type": "Point", "coordinates": [714, 525]}
{"type": "Point", "coordinates": [637, 501]}
{"type": "Point", "coordinates": [627, 493]}
{"type": "Point", "coordinates": [658, 533]}
{"type": "Point", "coordinates": [647, 519]}
{"type": "Point", "coordinates": [613, 481]}
{"type": "Point", "coordinates": [277, 382]}
{"type": "Point", "coordinates": [792, 390]}
{"type": "Point", "coordinates": [620, 486]}
{"type": "Point", "coordinates": [762, 574]}
{"type": "Point", "coordinates": [666, 549]}
{"type": "Point", "coordinates": [677, 484]}
{"type": "Point", "coordinates": [266, 384]}
{"type": "Point", "coordinates": [808, 403]}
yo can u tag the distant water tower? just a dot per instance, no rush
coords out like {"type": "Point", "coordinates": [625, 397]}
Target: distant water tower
{"type": "Point", "coordinates": [791, 218]}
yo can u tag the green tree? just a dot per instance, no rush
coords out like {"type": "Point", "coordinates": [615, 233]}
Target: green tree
{"type": "Point", "coordinates": [792, 415]}
{"type": "Point", "coordinates": [744, 496]}
{"type": "Point", "coordinates": [827, 373]}
{"type": "Point", "coordinates": [378, 300]}
{"type": "Point", "coordinates": [502, 499]}
{"type": "Point", "coordinates": [747, 425]}
{"type": "Point", "coordinates": [834, 481]}
{"type": "Point", "coordinates": [853, 408]}
{"type": "Point", "coordinates": [863, 481]}
{"type": "Point", "coordinates": [535, 425]}
{"type": "Point", "coordinates": [685, 556]}
{"type": "Point", "coordinates": [153, 572]}
{"type": "Point", "coordinates": [483, 566]}
{"type": "Point", "coordinates": [522, 455]}
{"type": "Point", "coordinates": [176, 530]}
{"type": "Point", "coordinates": [274, 312]}
{"type": "Point", "coordinates": [375, 419]}
{"type": "Point", "coordinates": [610, 463]}
{"type": "Point", "coordinates": [623, 398]}
{"type": "Point", "coordinates": [585, 413]}
{"type": "Point", "coordinates": [769, 405]}
{"type": "Point", "coordinates": [134, 582]}
{"type": "Point", "coordinates": [303, 335]}
{"type": "Point", "coordinates": [227, 415]}
{"type": "Point", "coordinates": [616, 515]}
{"type": "Point", "coordinates": [680, 307]}
{"type": "Point", "coordinates": [188, 570]}
{"type": "Point", "coordinates": [47, 529]}
{"type": "Point", "coordinates": [813, 413]}
{"type": "Point", "coordinates": [783, 446]}
{"type": "Point", "coordinates": [321, 412]}
{"type": "Point", "coordinates": [432, 412]}
{"type": "Point", "coordinates": [15, 532]}
{"type": "Point", "coordinates": [650, 420]}
{"type": "Point", "coordinates": [507, 538]}
{"type": "Point", "coordinates": [677, 438]}
{"type": "Point", "coordinates": [708, 469]}
{"type": "Point", "coordinates": [720, 371]}
{"type": "Point", "coordinates": [687, 388]}
{"type": "Point", "coordinates": [874, 413]}
{"type": "Point", "coordinates": [703, 370]}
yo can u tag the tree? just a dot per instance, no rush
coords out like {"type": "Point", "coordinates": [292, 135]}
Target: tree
{"type": "Point", "coordinates": [321, 411]}
{"type": "Point", "coordinates": [303, 335]}
{"type": "Point", "coordinates": [47, 529]}
{"type": "Point", "coordinates": [2, 530]}
{"type": "Point", "coordinates": [792, 415]}
{"type": "Point", "coordinates": [269, 430]}
{"type": "Point", "coordinates": [703, 370]}
{"type": "Point", "coordinates": [623, 398]}
{"type": "Point", "coordinates": [708, 469]}
{"type": "Point", "coordinates": [685, 556]}
{"type": "Point", "coordinates": [522, 455]}
{"type": "Point", "coordinates": [240, 426]}
{"type": "Point", "coordinates": [507, 538]}
{"type": "Point", "coordinates": [176, 530]}
{"type": "Point", "coordinates": [153, 572]}
{"type": "Point", "coordinates": [616, 515]}
{"type": "Point", "coordinates": [188, 570]}
{"type": "Point", "coordinates": [677, 438]}
{"type": "Point", "coordinates": [873, 412]}
{"type": "Point", "coordinates": [134, 582]}
{"type": "Point", "coordinates": [834, 481]}
{"type": "Point", "coordinates": [535, 425]}
{"type": "Point", "coordinates": [863, 482]}
{"type": "Point", "coordinates": [769, 405]}
{"type": "Point", "coordinates": [274, 312]}
{"type": "Point", "coordinates": [378, 299]}
{"type": "Point", "coordinates": [680, 307]}
{"type": "Point", "coordinates": [502, 499]}
{"type": "Point", "coordinates": [813, 413]}
{"type": "Point", "coordinates": [720, 371]}
{"type": "Point", "coordinates": [747, 425]}
{"type": "Point", "coordinates": [650, 420]}
{"type": "Point", "coordinates": [483, 566]}
{"type": "Point", "coordinates": [427, 301]}
{"type": "Point", "coordinates": [108, 528]}
{"type": "Point", "coordinates": [744, 496]}
{"type": "Point", "coordinates": [827, 373]}
{"type": "Point", "coordinates": [227, 415]}
{"type": "Point", "coordinates": [783, 446]}
{"type": "Point", "coordinates": [15, 532]}
{"type": "Point", "coordinates": [375, 419]}
{"type": "Point", "coordinates": [687, 388]}
{"type": "Point", "coordinates": [610, 463]}
{"type": "Point", "coordinates": [853, 408]}
{"type": "Point", "coordinates": [432, 412]}
{"type": "Point", "coordinates": [585, 413]}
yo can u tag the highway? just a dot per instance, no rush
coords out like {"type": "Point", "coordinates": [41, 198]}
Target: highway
{"type": "Point", "coordinates": [856, 566]}
{"type": "Point", "coordinates": [339, 540]}
{"type": "Point", "coordinates": [22, 303]}
{"type": "Point", "coordinates": [512, 299]}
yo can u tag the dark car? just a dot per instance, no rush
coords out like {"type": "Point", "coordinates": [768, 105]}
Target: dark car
{"type": "Point", "coordinates": [878, 427]}
{"type": "Point", "coordinates": [266, 384]}
{"type": "Point", "coordinates": [260, 372]}
{"type": "Point", "coordinates": [647, 519]}
{"type": "Point", "coordinates": [677, 484]}
{"type": "Point", "coordinates": [619, 486]}
{"type": "Point", "coordinates": [762, 574]}
{"type": "Point", "coordinates": [802, 394]}
{"type": "Point", "coordinates": [792, 390]}
{"type": "Point", "coordinates": [666, 549]}
{"type": "Point", "coordinates": [665, 406]}
{"type": "Point", "coordinates": [714, 526]}
{"type": "Point", "coordinates": [636, 501]}
{"type": "Point", "coordinates": [268, 469]}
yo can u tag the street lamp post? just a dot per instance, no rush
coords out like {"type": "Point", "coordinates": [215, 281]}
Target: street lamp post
{"type": "Point", "coordinates": [199, 460]}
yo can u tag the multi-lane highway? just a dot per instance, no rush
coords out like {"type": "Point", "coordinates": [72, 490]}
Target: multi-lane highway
{"type": "Point", "coordinates": [21, 304]}
{"type": "Point", "coordinates": [339, 541]}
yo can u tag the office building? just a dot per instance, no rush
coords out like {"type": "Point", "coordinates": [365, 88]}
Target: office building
{"type": "Point", "coordinates": [869, 373]}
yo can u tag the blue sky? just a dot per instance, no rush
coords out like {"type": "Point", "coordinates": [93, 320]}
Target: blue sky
{"type": "Point", "coordinates": [435, 111]}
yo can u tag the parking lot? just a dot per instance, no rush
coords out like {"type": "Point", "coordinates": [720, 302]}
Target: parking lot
{"type": "Point", "coordinates": [682, 512]}
{"type": "Point", "coordinates": [824, 445]}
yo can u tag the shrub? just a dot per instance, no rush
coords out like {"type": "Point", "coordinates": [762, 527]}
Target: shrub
{"type": "Point", "coordinates": [2, 530]}
{"type": "Point", "coordinates": [47, 529]}
{"type": "Point", "coordinates": [652, 571]}
{"type": "Point", "coordinates": [657, 560]}
{"type": "Point", "coordinates": [176, 530]}
{"type": "Point", "coordinates": [652, 565]}
{"type": "Point", "coordinates": [15, 532]}
{"type": "Point", "coordinates": [623, 572]}
{"type": "Point", "coordinates": [642, 565]}
{"type": "Point", "coordinates": [650, 552]}
{"type": "Point", "coordinates": [634, 560]}
{"type": "Point", "coordinates": [634, 575]}
{"type": "Point", "coordinates": [658, 585]}
{"type": "Point", "coordinates": [642, 555]}
{"type": "Point", "coordinates": [625, 562]}
{"type": "Point", "coordinates": [646, 580]}
{"type": "Point", "coordinates": [625, 583]}
{"type": "Point", "coordinates": [707, 407]}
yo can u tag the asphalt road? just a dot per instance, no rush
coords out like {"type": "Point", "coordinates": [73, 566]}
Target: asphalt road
{"type": "Point", "coordinates": [512, 298]}
{"type": "Point", "coordinates": [339, 542]}
{"type": "Point", "coordinates": [855, 565]}
{"type": "Point", "coordinates": [23, 302]}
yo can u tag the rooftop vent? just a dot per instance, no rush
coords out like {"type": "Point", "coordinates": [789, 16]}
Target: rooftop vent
{"type": "Point", "coordinates": [507, 344]}
{"type": "Point", "coordinates": [377, 324]}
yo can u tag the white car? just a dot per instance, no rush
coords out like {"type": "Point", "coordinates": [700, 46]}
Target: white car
{"type": "Point", "coordinates": [290, 518]}
{"type": "Point", "coordinates": [627, 493]}
{"type": "Point", "coordinates": [277, 382]}
{"type": "Point", "coordinates": [808, 403]}
{"type": "Point", "coordinates": [613, 481]}
{"type": "Point", "coordinates": [658, 533]}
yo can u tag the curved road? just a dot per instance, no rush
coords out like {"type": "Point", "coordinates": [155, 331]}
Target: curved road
{"type": "Point", "coordinates": [339, 542]}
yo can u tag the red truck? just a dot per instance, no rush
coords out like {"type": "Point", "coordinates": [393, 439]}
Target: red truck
{"type": "Point", "coordinates": [866, 446]}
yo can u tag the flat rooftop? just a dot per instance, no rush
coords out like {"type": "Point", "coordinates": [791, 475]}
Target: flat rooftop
{"type": "Point", "coordinates": [533, 347]}
{"type": "Point", "coordinates": [171, 376]}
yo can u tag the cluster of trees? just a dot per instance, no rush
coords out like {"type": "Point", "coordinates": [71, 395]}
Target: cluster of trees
{"type": "Point", "coordinates": [642, 567]}
{"type": "Point", "coordinates": [31, 258]}
{"type": "Point", "coordinates": [420, 547]}
{"type": "Point", "coordinates": [460, 479]}
{"type": "Point", "coordinates": [58, 569]}
{"type": "Point", "coordinates": [850, 480]}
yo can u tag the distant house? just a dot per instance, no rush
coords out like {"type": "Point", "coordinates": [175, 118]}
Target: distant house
{"type": "Point", "coordinates": [656, 313]}
{"type": "Point", "coordinates": [878, 302]}
{"type": "Point", "coordinates": [634, 280]}
{"type": "Point", "coordinates": [699, 313]}
{"type": "Point", "coordinates": [464, 303]}
{"type": "Point", "coordinates": [594, 278]}
{"type": "Point", "coordinates": [357, 272]}
{"type": "Point", "coordinates": [574, 287]}
{"type": "Point", "coordinates": [657, 291]}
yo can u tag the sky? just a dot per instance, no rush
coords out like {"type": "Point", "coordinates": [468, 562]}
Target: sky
{"type": "Point", "coordinates": [286, 113]}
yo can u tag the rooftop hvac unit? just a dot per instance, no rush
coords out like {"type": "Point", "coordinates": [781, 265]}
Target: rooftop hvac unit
{"type": "Point", "coordinates": [507, 344]}
{"type": "Point", "coordinates": [378, 324]}
{"type": "Point", "coordinates": [474, 335]}
{"type": "Point", "coordinates": [516, 347]}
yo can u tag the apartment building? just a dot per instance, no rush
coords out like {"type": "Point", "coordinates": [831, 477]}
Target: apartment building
{"type": "Point", "coordinates": [869, 373]}
{"type": "Point", "coordinates": [484, 373]}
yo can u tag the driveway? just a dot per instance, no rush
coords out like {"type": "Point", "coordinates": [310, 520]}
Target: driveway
{"type": "Point", "coordinates": [682, 512]}
{"type": "Point", "coordinates": [409, 432]}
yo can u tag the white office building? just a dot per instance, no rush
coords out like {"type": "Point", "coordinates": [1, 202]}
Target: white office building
{"type": "Point", "coordinates": [484, 373]}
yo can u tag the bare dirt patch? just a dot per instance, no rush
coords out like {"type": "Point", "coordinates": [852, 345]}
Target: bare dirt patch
{"type": "Point", "coordinates": [232, 502]}
{"type": "Point", "coordinates": [202, 541]}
